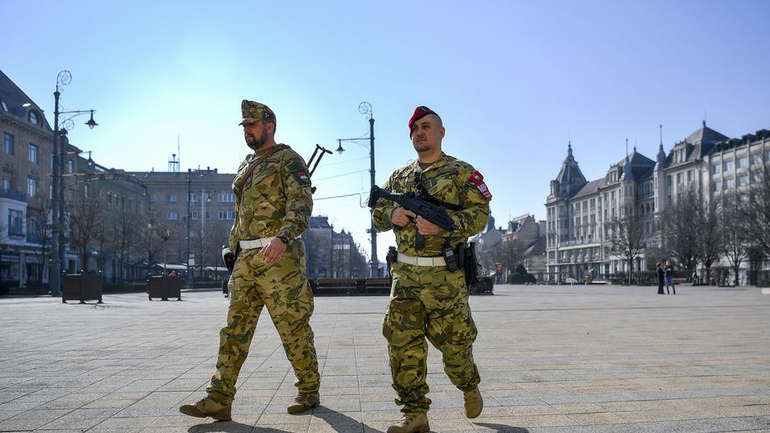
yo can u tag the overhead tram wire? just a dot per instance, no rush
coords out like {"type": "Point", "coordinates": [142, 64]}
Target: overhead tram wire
{"type": "Point", "coordinates": [341, 175]}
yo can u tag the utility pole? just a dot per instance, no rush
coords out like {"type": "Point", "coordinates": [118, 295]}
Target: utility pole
{"type": "Point", "coordinates": [188, 277]}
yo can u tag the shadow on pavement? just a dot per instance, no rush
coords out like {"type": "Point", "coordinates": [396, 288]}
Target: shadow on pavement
{"type": "Point", "coordinates": [500, 428]}
{"type": "Point", "coordinates": [336, 420]}
{"type": "Point", "coordinates": [339, 421]}
{"type": "Point", "coordinates": [230, 427]}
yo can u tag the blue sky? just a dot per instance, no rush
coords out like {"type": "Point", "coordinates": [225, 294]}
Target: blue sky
{"type": "Point", "coordinates": [513, 81]}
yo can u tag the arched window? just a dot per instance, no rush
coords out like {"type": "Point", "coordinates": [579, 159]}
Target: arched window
{"type": "Point", "coordinates": [33, 118]}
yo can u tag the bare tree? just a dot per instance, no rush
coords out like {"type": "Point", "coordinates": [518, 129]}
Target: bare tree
{"type": "Point", "coordinates": [709, 233]}
{"type": "Point", "coordinates": [758, 211]}
{"type": "Point", "coordinates": [735, 227]}
{"type": "Point", "coordinates": [680, 235]}
{"type": "Point", "coordinates": [41, 228]}
{"type": "Point", "coordinates": [626, 238]}
{"type": "Point", "coordinates": [86, 219]}
{"type": "Point", "coordinates": [125, 231]}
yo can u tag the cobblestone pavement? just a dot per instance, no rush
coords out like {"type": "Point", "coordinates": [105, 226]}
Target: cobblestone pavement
{"type": "Point", "coordinates": [552, 359]}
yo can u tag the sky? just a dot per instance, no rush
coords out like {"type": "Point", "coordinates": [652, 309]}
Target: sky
{"type": "Point", "coordinates": [514, 82]}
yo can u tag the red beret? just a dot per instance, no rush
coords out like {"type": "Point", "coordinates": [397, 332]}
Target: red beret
{"type": "Point", "coordinates": [419, 113]}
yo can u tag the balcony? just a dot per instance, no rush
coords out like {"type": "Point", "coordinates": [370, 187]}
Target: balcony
{"type": "Point", "coordinates": [14, 195]}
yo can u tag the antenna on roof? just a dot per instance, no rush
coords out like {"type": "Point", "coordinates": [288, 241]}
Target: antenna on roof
{"type": "Point", "coordinates": [178, 151]}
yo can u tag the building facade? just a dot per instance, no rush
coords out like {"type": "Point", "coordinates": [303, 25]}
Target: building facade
{"type": "Point", "coordinates": [25, 172]}
{"type": "Point", "coordinates": [197, 203]}
{"type": "Point", "coordinates": [580, 214]}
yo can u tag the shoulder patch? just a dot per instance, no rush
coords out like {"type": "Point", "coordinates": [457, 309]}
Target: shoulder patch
{"type": "Point", "coordinates": [477, 179]}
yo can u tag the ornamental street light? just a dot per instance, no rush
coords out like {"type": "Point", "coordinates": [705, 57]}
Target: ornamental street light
{"type": "Point", "coordinates": [62, 79]}
{"type": "Point", "coordinates": [365, 108]}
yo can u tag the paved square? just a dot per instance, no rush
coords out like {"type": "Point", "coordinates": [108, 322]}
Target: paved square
{"type": "Point", "coordinates": [552, 359]}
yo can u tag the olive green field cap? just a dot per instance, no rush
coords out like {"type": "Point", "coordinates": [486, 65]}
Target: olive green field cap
{"type": "Point", "coordinates": [253, 111]}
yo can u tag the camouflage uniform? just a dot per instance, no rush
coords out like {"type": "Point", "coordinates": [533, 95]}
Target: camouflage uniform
{"type": "Point", "coordinates": [275, 200]}
{"type": "Point", "coordinates": [431, 301]}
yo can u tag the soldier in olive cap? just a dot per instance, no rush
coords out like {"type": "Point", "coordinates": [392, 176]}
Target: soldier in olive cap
{"type": "Point", "coordinates": [427, 299]}
{"type": "Point", "coordinates": [273, 206]}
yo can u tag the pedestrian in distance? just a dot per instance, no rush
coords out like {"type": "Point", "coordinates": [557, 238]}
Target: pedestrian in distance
{"type": "Point", "coordinates": [272, 208]}
{"type": "Point", "coordinates": [661, 277]}
{"type": "Point", "coordinates": [670, 278]}
{"type": "Point", "coordinates": [427, 298]}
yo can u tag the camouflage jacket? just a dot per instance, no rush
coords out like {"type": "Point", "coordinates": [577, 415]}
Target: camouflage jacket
{"type": "Point", "coordinates": [275, 198]}
{"type": "Point", "coordinates": [449, 180]}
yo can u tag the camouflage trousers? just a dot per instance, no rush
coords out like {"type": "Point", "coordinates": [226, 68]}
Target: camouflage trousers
{"type": "Point", "coordinates": [428, 302]}
{"type": "Point", "coordinates": [283, 289]}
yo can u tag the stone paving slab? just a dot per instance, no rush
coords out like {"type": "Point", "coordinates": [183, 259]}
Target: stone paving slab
{"type": "Point", "coordinates": [552, 359]}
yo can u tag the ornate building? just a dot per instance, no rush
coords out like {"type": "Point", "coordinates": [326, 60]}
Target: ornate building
{"type": "Point", "coordinates": [579, 213]}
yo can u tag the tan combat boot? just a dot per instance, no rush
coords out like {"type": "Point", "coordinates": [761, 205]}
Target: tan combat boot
{"type": "Point", "coordinates": [473, 403]}
{"type": "Point", "coordinates": [208, 407]}
{"type": "Point", "coordinates": [416, 422]}
{"type": "Point", "coordinates": [303, 402]}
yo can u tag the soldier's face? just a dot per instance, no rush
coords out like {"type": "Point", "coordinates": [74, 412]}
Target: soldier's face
{"type": "Point", "coordinates": [427, 134]}
{"type": "Point", "coordinates": [255, 134]}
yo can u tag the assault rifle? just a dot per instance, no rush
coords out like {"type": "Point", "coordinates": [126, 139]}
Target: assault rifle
{"type": "Point", "coordinates": [410, 201]}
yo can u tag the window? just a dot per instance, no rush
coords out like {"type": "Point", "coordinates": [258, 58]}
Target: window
{"type": "Point", "coordinates": [194, 197]}
{"type": "Point", "coordinates": [173, 215]}
{"type": "Point", "coordinates": [172, 198]}
{"type": "Point", "coordinates": [33, 118]}
{"type": "Point", "coordinates": [70, 166]}
{"type": "Point", "coordinates": [756, 177]}
{"type": "Point", "coordinates": [717, 186]}
{"type": "Point", "coordinates": [226, 197]}
{"type": "Point", "coordinates": [15, 218]}
{"type": "Point", "coordinates": [195, 215]}
{"type": "Point", "coordinates": [32, 154]}
{"type": "Point", "coordinates": [728, 165]}
{"type": "Point", "coordinates": [50, 192]}
{"type": "Point", "coordinates": [6, 185]}
{"type": "Point", "coordinates": [716, 168]}
{"type": "Point", "coordinates": [153, 197]}
{"type": "Point", "coordinates": [730, 183]}
{"type": "Point", "coordinates": [7, 143]}
{"type": "Point", "coordinates": [612, 196]}
{"type": "Point", "coordinates": [226, 215]}
{"type": "Point", "coordinates": [743, 180]}
{"type": "Point", "coordinates": [756, 159]}
{"type": "Point", "coordinates": [2, 104]}
{"type": "Point", "coordinates": [679, 178]}
{"type": "Point", "coordinates": [743, 161]}
{"type": "Point", "coordinates": [689, 176]}
{"type": "Point", "coordinates": [31, 187]}
{"type": "Point", "coordinates": [593, 203]}
{"type": "Point", "coordinates": [53, 161]}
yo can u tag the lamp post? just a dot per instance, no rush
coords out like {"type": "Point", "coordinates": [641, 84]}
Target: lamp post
{"type": "Point", "coordinates": [62, 79]}
{"type": "Point", "coordinates": [365, 108]}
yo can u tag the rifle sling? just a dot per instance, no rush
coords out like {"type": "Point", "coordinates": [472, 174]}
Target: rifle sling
{"type": "Point", "coordinates": [254, 165]}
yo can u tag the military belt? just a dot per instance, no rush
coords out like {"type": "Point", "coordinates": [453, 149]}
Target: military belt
{"type": "Point", "coordinates": [421, 261]}
{"type": "Point", "coordinates": [257, 243]}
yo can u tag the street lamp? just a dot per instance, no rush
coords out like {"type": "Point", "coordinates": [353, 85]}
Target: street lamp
{"type": "Point", "coordinates": [62, 79]}
{"type": "Point", "coordinates": [365, 108]}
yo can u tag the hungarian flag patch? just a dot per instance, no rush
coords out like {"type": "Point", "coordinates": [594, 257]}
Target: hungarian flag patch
{"type": "Point", "coordinates": [478, 180]}
{"type": "Point", "coordinates": [303, 177]}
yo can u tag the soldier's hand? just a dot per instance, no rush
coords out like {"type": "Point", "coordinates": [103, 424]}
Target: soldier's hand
{"type": "Point", "coordinates": [401, 216]}
{"type": "Point", "coordinates": [426, 228]}
{"type": "Point", "coordinates": [273, 251]}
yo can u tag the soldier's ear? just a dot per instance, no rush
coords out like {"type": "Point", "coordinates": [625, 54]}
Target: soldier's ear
{"type": "Point", "coordinates": [270, 126]}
